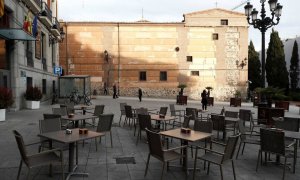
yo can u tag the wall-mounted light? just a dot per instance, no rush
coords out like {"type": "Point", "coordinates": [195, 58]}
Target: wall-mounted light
{"type": "Point", "coordinates": [106, 55]}
{"type": "Point", "coordinates": [242, 63]}
{"type": "Point", "coordinates": [62, 35]}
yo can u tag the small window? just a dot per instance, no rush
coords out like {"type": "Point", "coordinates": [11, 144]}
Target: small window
{"type": "Point", "coordinates": [195, 73]}
{"type": "Point", "coordinates": [143, 76]}
{"type": "Point", "coordinates": [224, 22]}
{"type": "Point", "coordinates": [215, 36]}
{"type": "Point", "coordinates": [189, 58]}
{"type": "Point", "coordinates": [163, 76]}
{"type": "Point", "coordinates": [44, 89]}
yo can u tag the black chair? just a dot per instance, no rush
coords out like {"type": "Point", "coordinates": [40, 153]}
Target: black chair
{"type": "Point", "coordinates": [273, 141]}
{"type": "Point", "coordinates": [176, 113]}
{"type": "Point", "coordinates": [156, 150]}
{"type": "Point", "coordinates": [245, 115]}
{"type": "Point", "coordinates": [104, 126]}
{"type": "Point", "coordinates": [193, 113]}
{"type": "Point", "coordinates": [123, 113]}
{"type": "Point", "coordinates": [144, 122]}
{"type": "Point", "coordinates": [246, 138]}
{"type": "Point", "coordinates": [39, 159]}
{"type": "Point", "coordinates": [130, 116]}
{"type": "Point", "coordinates": [99, 109]}
{"type": "Point", "coordinates": [218, 158]}
{"type": "Point", "coordinates": [219, 124]}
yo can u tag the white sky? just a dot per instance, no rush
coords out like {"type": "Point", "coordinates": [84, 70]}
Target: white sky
{"type": "Point", "coordinates": [172, 11]}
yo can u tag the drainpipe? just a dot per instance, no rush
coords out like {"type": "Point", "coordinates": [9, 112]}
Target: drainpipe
{"type": "Point", "coordinates": [67, 49]}
{"type": "Point", "coordinates": [118, 59]}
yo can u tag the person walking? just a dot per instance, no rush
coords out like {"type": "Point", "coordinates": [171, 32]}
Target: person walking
{"type": "Point", "coordinates": [140, 94]}
{"type": "Point", "coordinates": [114, 91]}
{"type": "Point", "coordinates": [204, 100]}
{"type": "Point", "coordinates": [105, 88]}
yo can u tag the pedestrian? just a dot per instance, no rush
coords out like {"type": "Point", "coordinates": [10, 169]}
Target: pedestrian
{"type": "Point", "coordinates": [114, 91]}
{"type": "Point", "coordinates": [140, 94]}
{"type": "Point", "coordinates": [105, 88]}
{"type": "Point", "coordinates": [204, 100]}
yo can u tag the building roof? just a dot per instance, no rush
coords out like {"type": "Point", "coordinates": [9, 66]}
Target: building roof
{"type": "Point", "coordinates": [214, 11]}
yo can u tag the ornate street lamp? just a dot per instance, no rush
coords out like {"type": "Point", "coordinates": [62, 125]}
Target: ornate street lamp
{"type": "Point", "coordinates": [263, 24]}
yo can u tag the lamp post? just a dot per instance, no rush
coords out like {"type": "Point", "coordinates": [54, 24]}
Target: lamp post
{"type": "Point", "coordinates": [263, 25]}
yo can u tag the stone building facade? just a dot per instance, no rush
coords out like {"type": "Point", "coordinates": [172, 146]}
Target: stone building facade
{"type": "Point", "coordinates": [202, 50]}
{"type": "Point", "coordinates": [28, 47]}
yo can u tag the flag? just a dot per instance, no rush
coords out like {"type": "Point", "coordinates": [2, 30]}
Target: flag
{"type": "Point", "coordinates": [34, 27]}
{"type": "Point", "coordinates": [1, 8]}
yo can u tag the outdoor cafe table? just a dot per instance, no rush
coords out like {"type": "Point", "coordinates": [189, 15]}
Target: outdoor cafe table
{"type": "Point", "coordinates": [156, 118]}
{"type": "Point", "coordinates": [78, 117]}
{"type": "Point", "coordinates": [71, 139]}
{"type": "Point", "coordinates": [83, 107]}
{"type": "Point", "coordinates": [185, 138]}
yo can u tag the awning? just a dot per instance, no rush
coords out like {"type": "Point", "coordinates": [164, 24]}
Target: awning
{"type": "Point", "coordinates": [15, 34]}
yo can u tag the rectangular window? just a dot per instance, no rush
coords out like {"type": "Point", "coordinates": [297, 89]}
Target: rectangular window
{"type": "Point", "coordinates": [189, 58]}
{"type": "Point", "coordinates": [215, 36]}
{"type": "Point", "coordinates": [163, 76]}
{"type": "Point", "coordinates": [38, 44]}
{"type": "Point", "coordinates": [224, 22]}
{"type": "Point", "coordinates": [28, 82]}
{"type": "Point", "coordinates": [143, 76]}
{"type": "Point", "coordinates": [29, 54]}
{"type": "Point", "coordinates": [44, 89]}
{"type": "Point", "coordinates": [195, 73]}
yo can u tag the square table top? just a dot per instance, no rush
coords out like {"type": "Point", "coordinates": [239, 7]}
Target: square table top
{"type": "Point", "coordinates": [157, 118]}
{"type": "Point", "coordinates": [62, 137]}
{"type": "Point", "coordinates": [292, 134]}
{"type": "Point", "coordinates": [78, 117]}
{"type": "Point", "coordinates": [231, 119]}
{"type": "Point", "coordinates": [193, 136]}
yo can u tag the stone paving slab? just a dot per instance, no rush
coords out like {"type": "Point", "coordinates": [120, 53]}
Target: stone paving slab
{"type": "Point", "coordinates": [102, 164]}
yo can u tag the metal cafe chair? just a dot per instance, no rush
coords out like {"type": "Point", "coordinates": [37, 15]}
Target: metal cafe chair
{"type": "Point", "coordinates": [39, 159]}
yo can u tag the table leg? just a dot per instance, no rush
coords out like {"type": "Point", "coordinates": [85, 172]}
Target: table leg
{"type": "Point", "coordinates": [185, 159]}
{"type": "Point", "coordinates": [73, 168]}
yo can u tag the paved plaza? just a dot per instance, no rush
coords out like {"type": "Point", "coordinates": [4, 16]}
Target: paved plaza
{"type": "Point", "coordinates": [102, 164]}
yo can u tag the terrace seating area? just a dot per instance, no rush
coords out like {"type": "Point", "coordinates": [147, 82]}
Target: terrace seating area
{"type": "Point", "coordinates": [124, 152]}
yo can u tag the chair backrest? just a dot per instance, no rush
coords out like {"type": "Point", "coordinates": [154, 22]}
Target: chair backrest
{"type": "Point", "coordinates": [69, 106]}
{"type": "Point", "coordinates": [186, 121]}
{"type": "Point", "coordinates": [191, 112]}
{"type": "Point", "coordinates": [61, 111]}
{"type": "Point", "coordinates": [105, 122]}
{"type": "Point", "coordinates": [272, 140]}
{"type": "Point", "coordinates": [245, 114]}
{"type": "Point", "coordinates": [122, 108]}
{"type": "Point", "coordinates": [21, 146]}
{"type": "Point", "coordinates": [49, 125]}
{"type": "Point", "coordinates": [288, 124]}
{"type": "Point", "coordinates": [145, 121]}
{"type": "Point", "coordinates": [231, 114]}
{"type": "Point", "coordinates": [218, 122]}
{"type": "Point", "coordinates": [163, 110]}
{"type": "Point", "coordinates": [99, 109]}
{"type": "Point", "coordinates": [172, 109]}
{"type": "Point", "coordinates": [154, 143]}
{"type": "Point", "coordinates": [203, 126]}
{"type": "Point", "coordinates": [222, 111]}
{"type": "Point", "coordinates": [230, 147]}
{"type": "Point", "coordinates": [142, 111]}
{"type": "Point", "coordinates": [128, 111]}
{"type": "Point", "coordinates": [242, 130]}
{"type": "Point", "coordinates": [51, 116]}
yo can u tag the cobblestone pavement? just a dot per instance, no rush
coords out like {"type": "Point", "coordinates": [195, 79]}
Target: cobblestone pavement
{"type": "Point", "coordinates": [102, 164]}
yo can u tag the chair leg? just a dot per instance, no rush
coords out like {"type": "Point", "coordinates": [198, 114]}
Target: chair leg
{"type": "Point", "coordinates": [162, 171]}
{"type": "Point", "coordinates": [62, 170]}
{"type": "Point", "coordinates": [195, 164]}
{"type": "Point", "coordinates": [138, 136]}
{"type": "Point", "coordinates": [237, 154]}
{"type": "Point", "coordinates": [19, 171]}
{"type": "Point", "coordinates": [243, 148]}
{"type": "Point", "coordinates": [148, 159]}
{"type": "Point", "coordinates": [96, 144]}
{"type": "Point", "coordinates": [208, 168]}
{"type": "Point", "coordinates": [111, 139]}
{"type": "Point", "coordinates": [120, 120]}
{"type": "Point", "coordinates": [233, 169]}
{"type": "Point", "coordinates": [284, 167]}
{"type": "Point", "coordinates": [258, 159]}
{"type": "Point", "coordinates": [221, 171]}
{"type": "Point", "coordinates": [28, 174]}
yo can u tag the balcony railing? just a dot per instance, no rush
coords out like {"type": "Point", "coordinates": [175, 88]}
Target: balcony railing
{"type": "Point", "coordinates": [34, 5]}
{"type": "Point", "coordinates": [56, 27]}
{"type": "Point", "coordinates": [46, 15]}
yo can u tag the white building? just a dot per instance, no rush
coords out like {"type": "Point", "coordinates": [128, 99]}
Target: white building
{"type": "Point", "coordinates": [29, 32]}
